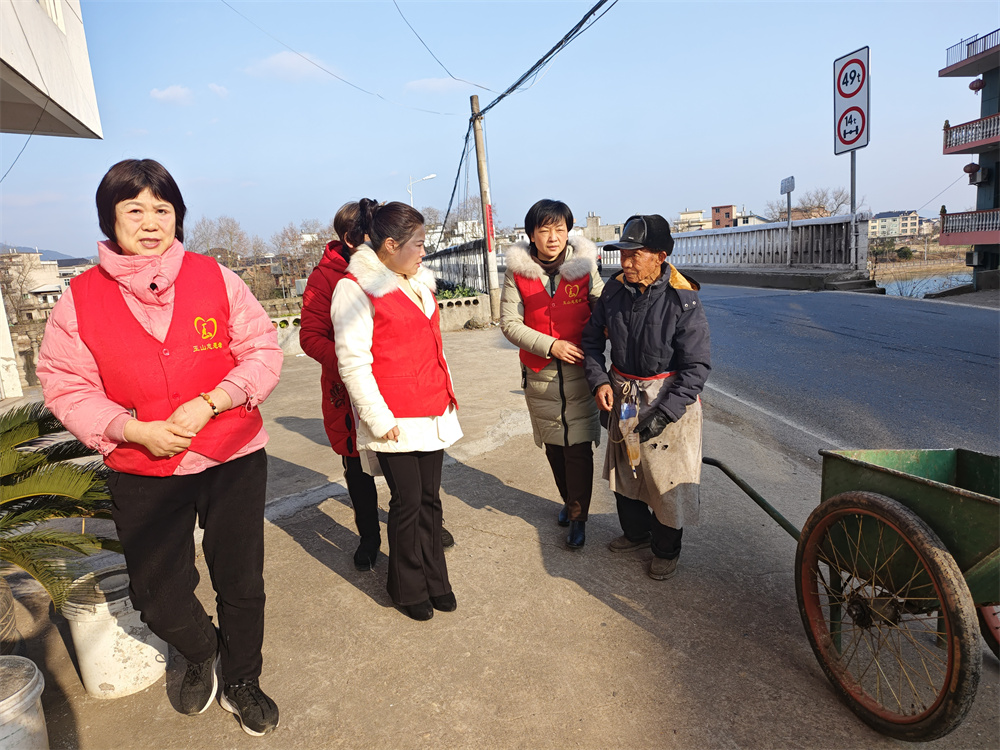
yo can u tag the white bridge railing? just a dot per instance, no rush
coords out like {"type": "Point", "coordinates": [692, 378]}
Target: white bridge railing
{"type": "Point", "coordinates": [824, 243]}
{"type": "Point", "coordinates": [814, 242]}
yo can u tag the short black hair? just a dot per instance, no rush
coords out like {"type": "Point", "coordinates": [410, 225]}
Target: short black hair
{"type": "Point", "coordinates": [125, 180]}
{"type": "Point", "coordinates": [545, 212]}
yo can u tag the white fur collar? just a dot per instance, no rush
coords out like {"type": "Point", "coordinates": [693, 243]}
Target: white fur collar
{"type": "Point", "coordinates": [376, 278]}
{"type": "Point", "coordinates": [581, 260]}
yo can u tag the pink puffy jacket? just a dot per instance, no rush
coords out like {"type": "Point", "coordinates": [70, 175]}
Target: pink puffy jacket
{"type": "Point", "coordinates": [70, 379]}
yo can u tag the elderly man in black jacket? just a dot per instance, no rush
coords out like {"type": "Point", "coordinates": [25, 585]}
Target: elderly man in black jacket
{"type": "Point", "coordinates": [660, 360]}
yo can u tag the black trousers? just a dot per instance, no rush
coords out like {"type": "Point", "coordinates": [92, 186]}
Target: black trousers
{"type": "Point", "coordinates": [573, 470]}
{"type": "Point", "coordinates": [155, 518]}
{"type": "Point", "coordinates": [638, 520]}
{"type": "Point", "coordinates": [417, 569]}
{"type": "Point", "coordinates": [364, 498]}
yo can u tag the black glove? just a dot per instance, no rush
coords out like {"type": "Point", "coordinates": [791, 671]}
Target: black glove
{"type": "Point", "coordinates": [652, 425]}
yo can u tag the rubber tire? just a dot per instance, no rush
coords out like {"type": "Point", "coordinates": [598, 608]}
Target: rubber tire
{"type": "Point", "coordinates": [989, 626]}
{"type": "Point", "coordinates": [963, 650]}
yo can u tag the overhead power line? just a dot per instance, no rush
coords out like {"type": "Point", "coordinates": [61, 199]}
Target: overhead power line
{"type": "Point", "coordinates": [943, 191]}
{"type": "Point", "coordinates": [581, 26]}
{"type": "Point", "coordinates": [400, 10]}
{"type": "Point", "coordinates": [48, 98]}
{"type": "Point", "coordinates": [327, 70]}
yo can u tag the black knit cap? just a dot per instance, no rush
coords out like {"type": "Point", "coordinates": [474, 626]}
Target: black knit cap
{"type": "Point", "coordinates": [650, 231]}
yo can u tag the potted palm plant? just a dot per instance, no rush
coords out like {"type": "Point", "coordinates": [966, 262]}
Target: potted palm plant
{"type": "Point", "coordinates": [41, 481]}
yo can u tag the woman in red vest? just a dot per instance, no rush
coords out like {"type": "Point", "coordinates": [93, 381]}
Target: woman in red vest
{"type": "Point", "coordinates": [158, 359]}
{"type": "Point", "coordinates": [316, 339]}
{"type": "Point", "coordinates": [548, 288]}
{"type": "Point", "coordinates": [391, 359]}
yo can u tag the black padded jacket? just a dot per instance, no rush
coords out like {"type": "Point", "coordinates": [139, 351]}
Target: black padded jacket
{"type": "Point", "coordinates": [663, 329]}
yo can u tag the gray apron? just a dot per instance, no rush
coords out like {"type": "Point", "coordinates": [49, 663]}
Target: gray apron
{"type": "Point", "coordinates": [668, 476]}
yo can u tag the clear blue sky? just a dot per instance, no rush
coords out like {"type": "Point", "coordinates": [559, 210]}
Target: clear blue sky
{"type": "Point", "coordinates": [659, 107]}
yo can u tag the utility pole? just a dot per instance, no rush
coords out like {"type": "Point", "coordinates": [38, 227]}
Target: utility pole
{"type": "Point", "coordinates": [492, 278]}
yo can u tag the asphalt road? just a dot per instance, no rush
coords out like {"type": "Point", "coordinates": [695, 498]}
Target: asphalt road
{"type": "Point", "coordinates": [849, 370]}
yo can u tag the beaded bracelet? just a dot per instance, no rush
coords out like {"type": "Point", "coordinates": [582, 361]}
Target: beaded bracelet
{"type": "Point", "coordinates": [215, 411]}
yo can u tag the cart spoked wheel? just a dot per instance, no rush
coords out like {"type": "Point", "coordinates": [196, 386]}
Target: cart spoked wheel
{"type": "Point", "coordinates": [888, 615]}
{"type": "Point", "coordinates": [989, 625]}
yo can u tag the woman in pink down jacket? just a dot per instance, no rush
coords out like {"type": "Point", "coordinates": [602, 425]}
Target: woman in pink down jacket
{"type": "Point", "coordinates": [158, 359]}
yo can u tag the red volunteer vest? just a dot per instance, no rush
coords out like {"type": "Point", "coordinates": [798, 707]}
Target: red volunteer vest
{"type": "Point", "coordinates": [152, 378]}
{"type": "Point", "coordinates": [408, 358]}
{"type": "Point", "coordinates": [563, 315]}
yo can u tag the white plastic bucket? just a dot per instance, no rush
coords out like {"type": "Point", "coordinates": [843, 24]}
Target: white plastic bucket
{"type": "Point", "coordinates": [117, 654]}
{"type": "Point", "coordinates": [22, 723]}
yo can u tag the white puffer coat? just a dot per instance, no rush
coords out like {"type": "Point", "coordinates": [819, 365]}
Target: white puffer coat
{"type": "Point", "coordinates": [561, 406]}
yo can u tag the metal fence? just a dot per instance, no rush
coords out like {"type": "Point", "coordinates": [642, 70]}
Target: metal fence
{"type": "Point", "coordinates": [463, 265]}
{"type": "Point", "coordinates": [822, 242]}
{"type": "Point", "coordinates": [974, 45]}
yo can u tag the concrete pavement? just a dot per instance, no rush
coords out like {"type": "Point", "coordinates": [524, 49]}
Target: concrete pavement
{"type": "Point", "coordinates": [549, 648]}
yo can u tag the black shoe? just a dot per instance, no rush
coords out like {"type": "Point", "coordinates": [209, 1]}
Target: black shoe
{"type": "Point", "coordinates": [563, 519]}
{"type": "Point", "coordinates": [257, 713]}
{"type": "Point", "coordinates": [367, 553]}
{"type": "Point", "coordinates": [445, 602]}
{"type": "Point", "coordinates": [199, 686]}
{"type": "Point", "coordinates": [447, 540]}
{"type": "Point", "coordinates": [422, 611]}
{"type": "Point", "coordinates": [577, 534]}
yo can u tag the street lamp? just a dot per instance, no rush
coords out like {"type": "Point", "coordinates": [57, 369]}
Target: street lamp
{"type": "Point", "coordinates": [409, 188]}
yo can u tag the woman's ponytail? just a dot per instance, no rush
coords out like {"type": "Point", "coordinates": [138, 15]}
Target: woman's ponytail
{"type": "Point", "coordinates": [380, 222]}
{"type": "Point", "coordinates": [362, 226]}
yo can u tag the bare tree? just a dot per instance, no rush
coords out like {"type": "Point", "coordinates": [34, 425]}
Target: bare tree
{"type": "Point", "coordinates": [222, 238]}
{"type": "Point", "coordinates": [257, 249]}
{"type": "Point", "coordinates": [203, 236]}
{"type": "Point", "coordinates": [260, 280]}
{"type": "Point", "coordinates": [432, 216]}
{"type": "Point", "coordinates": [812, 204]}
{"type": "Point", "coordinates": [232, 241]}
{"type": "Point", "coordinates": [16, 280]}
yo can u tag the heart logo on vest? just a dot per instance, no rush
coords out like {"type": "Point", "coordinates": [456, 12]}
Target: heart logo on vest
{"type": "Point", "coordinates": [206, 328]}
{"type": "Point", "coordinates": [572, 290]}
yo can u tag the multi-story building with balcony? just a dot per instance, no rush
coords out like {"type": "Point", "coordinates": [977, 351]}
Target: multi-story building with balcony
{"type": "Point", "coordinates": [897, 224]}
{"type": "Point", "coordinates": [977, 58]}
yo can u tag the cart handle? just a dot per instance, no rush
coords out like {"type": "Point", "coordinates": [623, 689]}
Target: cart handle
{"type": "Point", "coordinates": [755, 496]}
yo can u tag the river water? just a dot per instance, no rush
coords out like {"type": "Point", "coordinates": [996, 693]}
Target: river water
{"type": "Point", "coordinates": [906, 285]}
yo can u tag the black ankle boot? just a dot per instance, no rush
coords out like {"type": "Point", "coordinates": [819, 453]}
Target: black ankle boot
{"type": "Point", "coordinates": [445, 602]}
{"type": "Point", "coordinates": [563, 519]}
{"type": "Point", "coordinates": [422, 611]}
{"type": "Point", "coordinates": [577, 534]}
{"type": "Point", "coordinates": [367, 553]}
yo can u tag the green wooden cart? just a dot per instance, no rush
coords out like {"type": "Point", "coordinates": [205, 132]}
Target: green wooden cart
{"type": "Point", "coordinates": [897, 574]}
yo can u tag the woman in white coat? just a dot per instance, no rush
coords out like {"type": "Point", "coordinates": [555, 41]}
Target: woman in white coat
{"type": "Point", "coordinates": [391, 359]}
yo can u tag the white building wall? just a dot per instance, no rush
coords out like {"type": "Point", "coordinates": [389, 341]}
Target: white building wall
{"type": "Point", "coordinates": [44, 63]}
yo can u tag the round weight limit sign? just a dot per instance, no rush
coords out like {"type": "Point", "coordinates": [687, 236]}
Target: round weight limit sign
{"type": "Point", "coordinates": [851, 78]}
{"type": "Point", "coordinates": [851, 125]}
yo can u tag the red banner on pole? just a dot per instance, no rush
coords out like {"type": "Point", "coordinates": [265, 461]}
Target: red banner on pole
{"type": "Point", "coordinates": [489, 228]}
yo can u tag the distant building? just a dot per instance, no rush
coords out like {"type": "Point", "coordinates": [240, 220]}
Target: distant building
{"type": "Point", "coordinates": [691, 221]}
{"type": "Point", "coordinates": [728, 216]}
{"type": "Point", "coordinates": [971, 58]}
{"type": "Point", "coordinates": [31, 286]}
{"type": "Point", "coordinates": [70, 268]}
{"type": "Point", "coordinates": [895, 224]}
{"type": "Point", "coordinates": [595, 232]}
{"type": "Point", "coordinates": [723, 216]}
